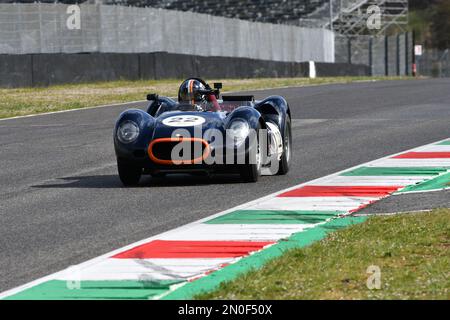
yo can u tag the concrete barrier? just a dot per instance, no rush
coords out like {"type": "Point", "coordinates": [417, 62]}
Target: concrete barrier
{"type": "Point", "coordinates": [58, 68]}
{"type": "Point", "coordinates": [16, 70]}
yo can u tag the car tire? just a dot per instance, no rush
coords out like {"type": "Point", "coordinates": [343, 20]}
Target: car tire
{"type": "Point", "coordinates": [158, 175]}
{"type": "Point", "coordinates": [129, 174]}
{"type": "Point", "coordinates": [251, 171]}
{"type": "Point", "coordinates": [283, 166]}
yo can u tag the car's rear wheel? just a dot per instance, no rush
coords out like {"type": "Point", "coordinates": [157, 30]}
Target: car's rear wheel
{"type": "Point", "coordinates": [129, 174]}
{"type": "Point", "coordinates": [251, 171]}
{"type": "Point", "coordinates": [285, 160]}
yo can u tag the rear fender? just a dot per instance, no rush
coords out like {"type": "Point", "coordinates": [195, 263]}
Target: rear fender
{"type": "Point", "coordinates": [274, 109]}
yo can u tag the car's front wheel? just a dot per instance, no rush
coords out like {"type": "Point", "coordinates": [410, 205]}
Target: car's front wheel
{"type": "Point", "coordinates": [129, 174]}
{"type": "Point", "coordinates": [251, 171]}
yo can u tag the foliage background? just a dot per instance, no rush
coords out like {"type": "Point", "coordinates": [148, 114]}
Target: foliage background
{"type": "Point", "coordinates": [430, 19]}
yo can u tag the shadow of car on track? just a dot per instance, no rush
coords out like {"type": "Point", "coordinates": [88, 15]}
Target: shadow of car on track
{"type": "Point", "coordinates": [112, 181]}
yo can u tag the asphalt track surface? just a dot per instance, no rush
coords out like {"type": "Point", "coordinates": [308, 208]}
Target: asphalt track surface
{"type": "Point", "coordinates": [61, 202]}
{"type": "Point", "coordinates": [410, 202]}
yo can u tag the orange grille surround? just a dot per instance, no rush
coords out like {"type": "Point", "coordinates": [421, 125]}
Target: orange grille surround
{"type": "Point", "coordinates": [197, 160]}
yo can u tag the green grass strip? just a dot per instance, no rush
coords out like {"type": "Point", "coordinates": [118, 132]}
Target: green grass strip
{"type": "Point", "coordinates": [395, 171]}
{"type": "Point", "coordinates": [411, 251]}
{"type": "Point", "coordinates": [274, 217]}
{"type": "Point", "coordinates": [259, 259]}
{"type": "Point", "coordinates": [437, 183]}
{"type": "Point", "coordinates": [444, 143]}
{"type": "Point", "coordinates": [93, 290]}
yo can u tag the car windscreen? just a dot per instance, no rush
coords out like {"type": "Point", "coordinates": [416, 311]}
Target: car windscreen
{"type": "Point", "coordinates": [223, 106]}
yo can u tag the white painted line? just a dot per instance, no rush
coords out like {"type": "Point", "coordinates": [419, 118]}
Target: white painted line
{"type": "Point", "coordinates": [313, 203]}
{"type": "Point", "coordinates": [438, 148]}
{"type": "Point", "coordinates": [146, 269]}
{"type": "Point", "coordinates": [237, 232]}
{"type": "Point", "coordinates": [372, 180]}
{"type": "Point", "coordinates": [412, 163]}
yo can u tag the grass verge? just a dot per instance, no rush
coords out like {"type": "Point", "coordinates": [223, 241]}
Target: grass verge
{"type": "Point", "coordinates": [26, 101]}
{"type": "Point", "coordinates": [411, 250]}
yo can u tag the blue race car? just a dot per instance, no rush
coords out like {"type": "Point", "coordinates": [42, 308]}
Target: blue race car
{"type": "Point", "coordinates": [204, 132]}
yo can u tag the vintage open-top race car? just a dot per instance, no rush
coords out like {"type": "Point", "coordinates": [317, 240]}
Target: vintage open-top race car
{"type": "Point", "coordinates": [203, 132]}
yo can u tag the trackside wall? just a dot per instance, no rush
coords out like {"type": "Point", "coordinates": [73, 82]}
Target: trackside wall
{"type": "Point", "coordinates": [26, 70]}
{"type": "Point", "coordinates": [46, 28]}
{"type": "Point", "coordinates": [37, 47]}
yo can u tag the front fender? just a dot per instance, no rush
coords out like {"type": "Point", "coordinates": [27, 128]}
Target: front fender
{"type": "Point", "coordinates": [250, 114]}
{"type": "Point", "coordinates": [254, 119]}
{"type": "Point", "coordinates": [146, 124]}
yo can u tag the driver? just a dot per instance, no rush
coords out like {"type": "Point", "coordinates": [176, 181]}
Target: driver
{"type": "Point", "coordinates": [192, 91]}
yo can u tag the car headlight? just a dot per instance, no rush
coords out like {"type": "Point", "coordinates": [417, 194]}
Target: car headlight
{"type": "Point", "coordinates": [238, 131]}
{"type": "Point", "coordinates": [127, 131]}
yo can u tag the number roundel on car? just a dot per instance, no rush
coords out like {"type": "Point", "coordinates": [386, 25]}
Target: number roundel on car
{"type": "Point", "coordinates": [183, 121]}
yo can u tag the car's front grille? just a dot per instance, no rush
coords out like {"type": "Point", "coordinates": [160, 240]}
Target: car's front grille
{"type": "Point", "coordinates": [168, 151]}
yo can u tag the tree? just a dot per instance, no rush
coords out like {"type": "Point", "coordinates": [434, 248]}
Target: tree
{"type": "Point", "coordinates": [440, 25]}
{"type": "Point", "coordinates": [421, 4]}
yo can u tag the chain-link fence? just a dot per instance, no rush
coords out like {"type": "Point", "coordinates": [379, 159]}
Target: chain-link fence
{"type": "Point", "coordinates": [434, 63]}
{"type": "Point", "coordinates": [385, 55]}
{"type": "Point", "coordinates": [43, 28]}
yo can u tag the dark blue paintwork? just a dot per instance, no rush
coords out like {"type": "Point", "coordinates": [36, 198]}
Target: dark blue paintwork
{"type": "Point", "coordinates": [274, 109]}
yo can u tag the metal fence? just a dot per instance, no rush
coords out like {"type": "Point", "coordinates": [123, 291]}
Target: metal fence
{"type": "Point", "coordinates": [42, 28]}
{"type": "Point", "coordinates": [385, 55]}
{"type": "Point", "coordinates": [434, 63]}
